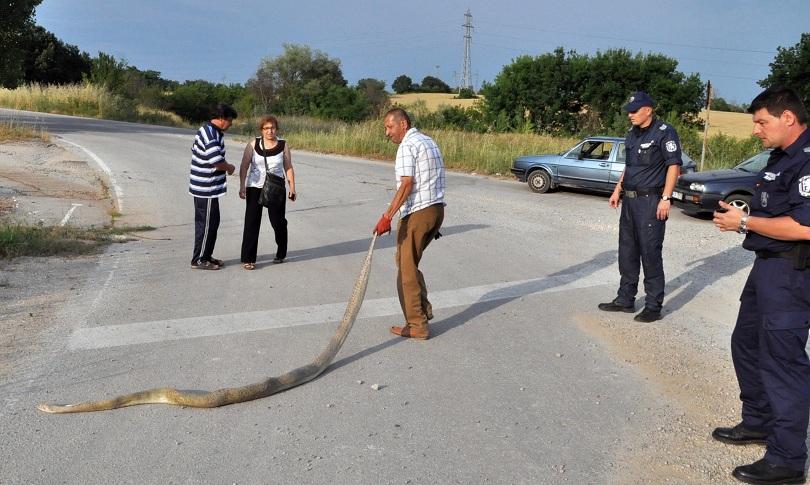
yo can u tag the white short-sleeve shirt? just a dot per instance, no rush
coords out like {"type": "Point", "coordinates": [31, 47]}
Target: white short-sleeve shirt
{"type": "Point", "coordinates": [419, 157]}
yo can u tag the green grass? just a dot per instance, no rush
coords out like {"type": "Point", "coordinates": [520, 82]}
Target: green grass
{"type": "Point", "coordinates": [18, 239]}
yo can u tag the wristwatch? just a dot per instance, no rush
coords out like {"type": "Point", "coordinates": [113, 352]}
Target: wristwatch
{"type": "Point", "coordinates": [666, 197]}
{"type": "Point", "coordinates": [743, 227]}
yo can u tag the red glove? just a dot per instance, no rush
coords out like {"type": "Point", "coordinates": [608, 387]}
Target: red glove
{"type": "Point", "coordinates": [383, 225]}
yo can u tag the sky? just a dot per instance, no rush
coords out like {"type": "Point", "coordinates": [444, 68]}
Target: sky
{"type": "Point", "coordinates": [728, 42]}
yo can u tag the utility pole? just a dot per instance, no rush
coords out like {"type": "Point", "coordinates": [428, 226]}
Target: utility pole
{"type": "Point", "coordinates": [709, 95]}
{"type": "Point", "coordinates": [466, 77]}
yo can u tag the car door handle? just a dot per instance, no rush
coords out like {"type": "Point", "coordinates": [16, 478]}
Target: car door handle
{"type": "Point", "coordinates": [604, 164]}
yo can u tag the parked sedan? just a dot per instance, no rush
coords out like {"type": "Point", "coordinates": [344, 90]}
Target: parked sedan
{"type": "Point", "coordinates": [700, 192]}
{"type": "Point", "coordinates": [595, 163]}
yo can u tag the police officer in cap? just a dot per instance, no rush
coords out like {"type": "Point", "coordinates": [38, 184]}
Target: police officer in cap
{"type": "Point", "coordinates": [652, 166]}
{"type": "Point", "coordinates": [769, 339]}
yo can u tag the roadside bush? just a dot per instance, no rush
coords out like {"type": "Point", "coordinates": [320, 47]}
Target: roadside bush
{"type": "Point", "coordinates": [466, 93]}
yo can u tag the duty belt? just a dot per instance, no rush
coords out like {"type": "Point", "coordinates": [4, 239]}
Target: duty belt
{"type": "Point", "coordinates": [774, 254]}
{"type": "Point", "coordinates": [799, 255]}
{"type": "Point", "coordinates": [632, 194]}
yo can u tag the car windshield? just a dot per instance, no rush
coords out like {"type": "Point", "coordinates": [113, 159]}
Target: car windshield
{"type": "Point", "coordinates": [755, 163]}
{"type": "Point", "coordinates": [592, 150]}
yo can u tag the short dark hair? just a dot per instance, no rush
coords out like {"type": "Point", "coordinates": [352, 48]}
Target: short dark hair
{"type": "Point", "coordinates": [778, 99]}
{"type": "Point", "coordinates": [268, 119]}
{"type": "Point", "coordinates": [400, 114]}
{"type": "Point", "coordinates": [224, 111]}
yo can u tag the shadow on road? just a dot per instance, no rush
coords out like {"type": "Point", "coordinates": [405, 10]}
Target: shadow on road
{"type": "Point", "coordinates": [496, 298]}
{"type": "Point", "coordinates": [353, 246]}
{"type": "Point", "coordinates": [703, 273]}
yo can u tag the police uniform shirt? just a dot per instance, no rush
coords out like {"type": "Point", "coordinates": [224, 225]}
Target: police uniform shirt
{"type": "Point", "coordinates": [650, 151]}
{"type": "Point", "coordinates": [783, 189]}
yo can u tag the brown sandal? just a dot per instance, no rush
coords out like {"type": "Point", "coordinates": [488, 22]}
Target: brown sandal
{"type": "Point", "coordinates": [249, 266]}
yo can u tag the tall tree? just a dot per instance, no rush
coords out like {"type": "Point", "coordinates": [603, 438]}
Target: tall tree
{"type": "Point", "coordinates": [568, 92]}
{"type": "Point", "coordinates": [402, 84]}
{"type": "Point", "coordinates": [16, 17]}
{"type": "Point", "coordinates": [432, 84]}
{"type": "Point", "coordinates": [294, 81]}
{"type": "Point", "coordinates": [374, 92]}
{"type": "Point", "coordinates": [48, 60]}
{"type": "Point", "coordinates": [538, 91]}
{"type": "Point", "coordinates": [791, 68]}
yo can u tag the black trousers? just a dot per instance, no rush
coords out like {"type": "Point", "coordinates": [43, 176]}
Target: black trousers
{"type": "Point", "coordinates": [768, 350]}
{"type": "Point", "coordinates": [253, 223]}
{"type": "Point", "coordinates": [206, 224]}
{"type": "Point", "coordinates": [641, 239]}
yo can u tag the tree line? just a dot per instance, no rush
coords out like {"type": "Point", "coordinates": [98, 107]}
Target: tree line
{"type": "Point", "coordinates": [562, 92]}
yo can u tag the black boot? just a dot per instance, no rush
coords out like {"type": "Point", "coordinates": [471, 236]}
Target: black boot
{"type": "Point", "coordinates": [739, 435]}
{"type": "Point", "coordinates": [762, 472]}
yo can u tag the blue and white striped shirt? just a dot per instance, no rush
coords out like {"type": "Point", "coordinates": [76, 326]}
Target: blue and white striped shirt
{"type": "Point", "coordinates": [208, 150]}
{"type": "Point", "coordinates": [419, 157]}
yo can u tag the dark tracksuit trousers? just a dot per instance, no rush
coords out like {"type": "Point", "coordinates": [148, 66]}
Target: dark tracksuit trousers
{"type": "Point", "coordinates": [641, 239]}
{"type": "Point", "coordinates": [768, 350]}
{"type": "Point", "coordinates": [206, 225]}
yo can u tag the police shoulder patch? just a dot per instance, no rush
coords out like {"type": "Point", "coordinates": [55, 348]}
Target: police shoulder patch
{"type": "Point", "coordinates": [804, 186]}
{"type": "Point", "coordinates": [663, 127]}
{"type": "Point", "coordinates": [671, 146]}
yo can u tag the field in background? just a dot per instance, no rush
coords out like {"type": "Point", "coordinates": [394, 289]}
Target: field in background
{"type": "Point", "coordinates": [738, 125]}
{"type": "Point", "coordinates": [432, 100]}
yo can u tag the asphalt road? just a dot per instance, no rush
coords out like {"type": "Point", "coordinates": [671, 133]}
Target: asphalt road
{"type": "Point", "coordinates": [509, 389]}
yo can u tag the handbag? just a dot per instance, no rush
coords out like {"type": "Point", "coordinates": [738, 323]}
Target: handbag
{"type": "Point", "coordinates": [273, 189]}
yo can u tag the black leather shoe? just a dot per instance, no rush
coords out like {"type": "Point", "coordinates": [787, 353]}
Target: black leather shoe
{"type": "Point", "coordinates": [615, 307]}
{"type": "Point", "coordinates": [739, 435]}
{"type": "Point", "coordinates": [762, 472]}
{"type": "Point", "coordinates": [647, 316]}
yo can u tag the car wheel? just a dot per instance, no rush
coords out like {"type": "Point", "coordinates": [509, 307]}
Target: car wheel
{"type": "Point", "coordinates": [539, 181]}
{"type": "Point", "coordinates": [740, 201]}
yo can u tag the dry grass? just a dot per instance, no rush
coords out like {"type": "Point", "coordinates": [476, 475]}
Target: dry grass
{"type": "Point", "coordinates": [737, 125]}
{"type": "Point", "coordinates": [433, 100]}
{"type": "Point", "coordinates": [11, 131]}
{"type": "Point", "coordinates": [83, 100]}
{"type": "Point", "coordinates": [490, 153]}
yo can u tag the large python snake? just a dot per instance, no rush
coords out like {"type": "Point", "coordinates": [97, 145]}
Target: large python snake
{"type": "Point", "coordinates": [232, 395]}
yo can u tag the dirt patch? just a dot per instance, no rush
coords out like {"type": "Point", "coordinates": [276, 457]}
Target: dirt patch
{"type": "Point", "coordinates": [43, 183]}
{"type": "Point", "coordinates": [697, 379]}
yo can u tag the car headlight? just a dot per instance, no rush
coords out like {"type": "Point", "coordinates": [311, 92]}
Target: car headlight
{"type": "Point", "coordinates": [697, 187]}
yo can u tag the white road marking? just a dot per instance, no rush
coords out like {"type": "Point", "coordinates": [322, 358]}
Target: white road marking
{"type": "Point", "coordinates": [209, 326]}
{"type": "Point", "coordinates": [69, 213]}
{"type": "Point", "coordinates": [119, 194]}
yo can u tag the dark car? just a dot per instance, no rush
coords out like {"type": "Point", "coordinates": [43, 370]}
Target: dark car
{"type": "Point", "coordinates": [700, 192]}
{"type": "Point", "coordinates": [595, 163]}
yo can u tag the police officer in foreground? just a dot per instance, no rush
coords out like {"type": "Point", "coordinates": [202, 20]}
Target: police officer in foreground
{"type": "Point", "coordinates": [651, 169]}
{"type": "Point", "coordinates": [768, 342]}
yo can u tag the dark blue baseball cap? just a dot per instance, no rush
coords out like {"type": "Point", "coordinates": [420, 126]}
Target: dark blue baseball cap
{"type": "Point", "coordinates": [638, 100]}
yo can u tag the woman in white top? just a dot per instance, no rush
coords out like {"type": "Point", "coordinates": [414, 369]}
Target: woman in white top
{"type": "Point", "coordinates": [265, 156]}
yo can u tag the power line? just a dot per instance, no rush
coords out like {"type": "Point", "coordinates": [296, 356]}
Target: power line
{"type": "Point", "coordinates": [466, 76]}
